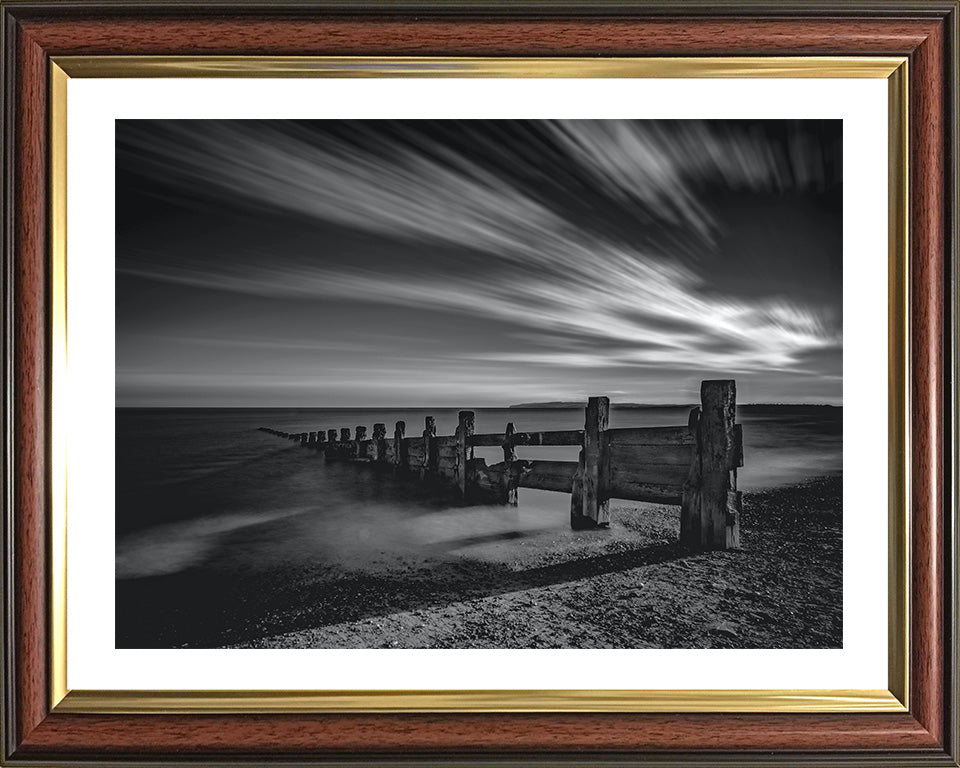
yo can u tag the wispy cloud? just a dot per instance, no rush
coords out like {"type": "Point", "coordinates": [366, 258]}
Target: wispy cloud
{"type": "Point", "coordinates": [602, 300]}
{"type": "Point", "coordinates": [664, 166]}
{"type": "Point", "coordinates": [621, 309]}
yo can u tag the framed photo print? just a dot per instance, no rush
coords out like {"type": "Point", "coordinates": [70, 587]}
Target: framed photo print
{"type": "Point", "coordinates": [464, 383]}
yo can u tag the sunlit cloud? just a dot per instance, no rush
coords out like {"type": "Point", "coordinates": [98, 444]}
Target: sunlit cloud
{"type": "Point", "coordinates": [723, 333]}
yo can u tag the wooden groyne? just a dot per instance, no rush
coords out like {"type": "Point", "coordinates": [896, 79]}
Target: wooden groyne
{"type": "Point", "coordinates": [693, 466]}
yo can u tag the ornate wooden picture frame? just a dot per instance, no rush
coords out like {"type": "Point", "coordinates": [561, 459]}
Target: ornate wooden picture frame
{"type": "Point", "coordinates": [915, 721]}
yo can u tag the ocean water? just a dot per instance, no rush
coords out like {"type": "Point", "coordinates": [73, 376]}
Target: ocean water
{"type": "Point", "coordinates": [202, 487]}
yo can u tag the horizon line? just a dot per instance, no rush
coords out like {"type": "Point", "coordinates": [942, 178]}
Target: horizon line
{"type": "Point", "coordinates": [517, 406]}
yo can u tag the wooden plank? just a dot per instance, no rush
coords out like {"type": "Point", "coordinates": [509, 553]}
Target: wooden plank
{"type": "Point", "coordinates": [415, 451]}
{"type": "Point", "coordinates": [557, 437]}
{"type": "Point", "coordinates": [650, 474]}
{"type": "Point", "coordinates": [639, 455]}
{"type": "Point", "coordinates": [447, 467]}
{"type": "Point", "coordinates": [637, 490]}
{"type": "Point", "coordinates": [661, 436]}
{"type": "Point", "coordinates": [367, 449]}
{"type": "Point", "coordinates": [487, 440]}
{"type": "Point", "coordinates": [549, 475]}
{"type": "Point", "coordinates": [496, 483]}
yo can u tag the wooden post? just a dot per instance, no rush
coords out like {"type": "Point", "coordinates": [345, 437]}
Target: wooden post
{"type": "Point", "coordinates": [510, 492]}
{"type": "Point", "coordinates": [331, 435]}
{"type": "Point", "coordinates": [380, 443]}
{"type": "Point", "coordinates": [690, 500]}
{"type": "Point", "coordinates": [464, 449]}
{"type": "Point", "coordinates": [710, 512]}
{"type": "Point", "coordinates": [312, 439]}
{"type": "Point", "coordinates": [344, 434]}
{"type": "Point", "coordinates": [321, 440]}
{"type": "Point", "coordinates": [361, 434]}
{"type": "Point", "coordinates": [399, 453]}
{"type": "Point", "coordinates": [303, 438]}
{"type": "Point", "coordinates": [429, 432]}
{"type": "Point", "coordinates": [589, 505]}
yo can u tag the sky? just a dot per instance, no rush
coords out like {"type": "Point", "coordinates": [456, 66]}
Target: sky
{"type": "Point", "coordinates": [476, 263]}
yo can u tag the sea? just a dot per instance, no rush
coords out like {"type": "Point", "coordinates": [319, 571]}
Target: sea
{"type": "Point", "coordinates": [202, 496]}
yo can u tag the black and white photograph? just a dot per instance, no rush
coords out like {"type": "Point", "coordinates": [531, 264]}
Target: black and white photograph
{"type": "Point", "coordinates": [464, 384]}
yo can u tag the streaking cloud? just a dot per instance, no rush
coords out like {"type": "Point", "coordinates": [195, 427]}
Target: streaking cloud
{"type": "Point", "coordinates": [590, 296]}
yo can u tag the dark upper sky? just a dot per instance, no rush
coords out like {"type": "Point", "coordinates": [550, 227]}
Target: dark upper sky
{"type": "Point", "coordinates": [368, 263]}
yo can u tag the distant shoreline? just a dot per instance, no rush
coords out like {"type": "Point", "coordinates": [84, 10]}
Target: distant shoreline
{"type": "Point", "coordinates": [517, 406]}
{"type": "Point", "coordinates": [652, 406]}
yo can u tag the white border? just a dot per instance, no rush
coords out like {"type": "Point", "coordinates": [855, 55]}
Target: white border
{"type": "Point", "coordinates": [93, 105]}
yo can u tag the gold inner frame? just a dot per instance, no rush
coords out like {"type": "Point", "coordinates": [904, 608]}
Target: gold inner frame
{"type": "Point", "coordinates": [894, 699]}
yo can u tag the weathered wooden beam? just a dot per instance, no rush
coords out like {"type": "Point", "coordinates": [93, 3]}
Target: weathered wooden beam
{"type": "Point", "coordinates": [736, 453]}
{"type": "Point", "coordinates": [360, 436]}
{"type": "Point", "coordinates": [711, 504]}
{"type": "Point", "coordinates": [465, 426]}
{"type": "Point", "coordinates": [445, 450]}
{"type": "Point", "coordinates": [312, 439]}
{"type": "Point", "coordinates": [399, 450]}
{"type": "Point", "coordinates": [331, 435]}
{"type": "Point", "coordinates": [591, 507]}
{"type": "Point", "coordinates": [490, 440]}
{"type": "Point", "coordinates": [321, 440]}
{"type": "Point", "coordinates": [344, 434]}
{"type": "Point", "coordinates": [656, 474]}
{"type": "Point", "coordinates": [379, 439]}
{"type": "Point", "coordinates": [428, 464]}
{"type": "Point", "coordinates": [413, 446]}
{"type": "Point", "coordinates": [510, 490]}
{"type": "Point", "coordinates": [641, 455]}
{"type": "Point", "coordinates": [555, 437]}
{"type": "Point", "coordinates": [366, 449]}
{"type": "Point", "coordinates": [627, 487]}
{"type": "Point", "coordinates": [652, 436]}
{"type": "Point", "coordinates": [550, 475]}
{"type": "Point", "coordinates": [492, 484]}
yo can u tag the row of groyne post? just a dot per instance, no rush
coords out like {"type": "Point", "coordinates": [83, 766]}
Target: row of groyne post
{"type": "Point", "coordinates": [693, 466]}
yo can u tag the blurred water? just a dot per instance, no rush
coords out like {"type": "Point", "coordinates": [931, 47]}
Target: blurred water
{"type": "Point", "coordinates": [202, 488]}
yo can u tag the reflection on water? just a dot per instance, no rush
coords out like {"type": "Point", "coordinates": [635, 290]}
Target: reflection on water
{"type": "Point", "coordinates": [201, 487]}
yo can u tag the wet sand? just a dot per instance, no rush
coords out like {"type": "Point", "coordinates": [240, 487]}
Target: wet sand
{"type": "Point", "coordinates": [619, 588]}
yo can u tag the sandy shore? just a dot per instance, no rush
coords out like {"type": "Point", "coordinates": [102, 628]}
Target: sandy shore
{"type": "Point", "coordinates": [624, 587]}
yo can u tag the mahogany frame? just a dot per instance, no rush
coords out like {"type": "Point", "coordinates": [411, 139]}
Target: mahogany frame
{"type": "Point", "coordinates": [924, 32]}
